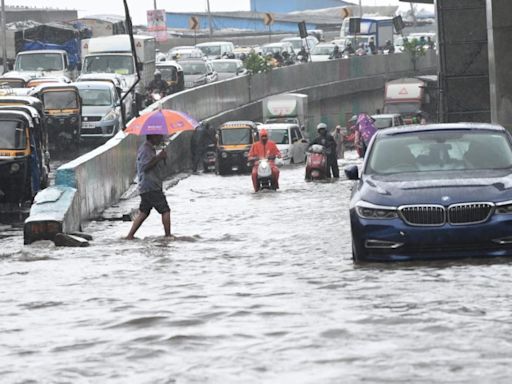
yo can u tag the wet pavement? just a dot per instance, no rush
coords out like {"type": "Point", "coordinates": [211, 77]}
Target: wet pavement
{"type": "Point", "coordinates": [258, 288]}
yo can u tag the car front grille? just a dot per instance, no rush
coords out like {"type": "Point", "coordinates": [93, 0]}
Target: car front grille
{"type": "Point", "coordinates": [437, 215]}
{"type": "Point", "coordinates": [424, 215]}
{"type": "Point", "coordinates": [471, 213]}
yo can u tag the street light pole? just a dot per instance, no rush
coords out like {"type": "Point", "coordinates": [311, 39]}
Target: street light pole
{"type": "Point", "coordinates": [154, 4]}
{"type": "Point", "coordinates": [4, 40]}
{"type": "Point", "coordinates": [209, 18]}
{"type": "Point", "coordinates": [360, 8]}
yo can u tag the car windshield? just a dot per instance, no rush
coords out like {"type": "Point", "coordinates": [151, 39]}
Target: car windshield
{"type": "Point", "coordinates": [12, 134]}
{"type": "Point", "coordinates": [96, 97]}
{"type": "Point", "coordinates": [210, 50]}
{"type": "Point", "coordinates": [236, 136]}
{"type": "Point", "coordinates": [39, 62]}
{"type": "Point", "coordinates": [198, 68]}
{"type": "Point", "coordinates": [118, 64]}
{"type": "Point", "coordinates": [440, 151]}
{"type": "Point", "coordinates": [60, 100]}
{"type": "Point", "coordinates": [168, 73]}
{"type": "Point", "coordinates": [279, 136]}
{"type": "Point", "coordinates": [402, 108]}
{"type": "Point", "coordinates": [297, 43]}
{"type": "Point", "coordinates": [322, 50]}
{"type": "Point", "coordinates": [382, 122]}
{"type": "Point", "coordinates": [225, 67]}
{"type": "Point", "coordinates": [272, 49]}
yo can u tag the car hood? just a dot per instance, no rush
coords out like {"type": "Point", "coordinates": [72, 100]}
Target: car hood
{"type": "Point", "coordinates": [429, 188]}
{"type": "Point", "coordinates": [95, 110]}
{"type": "Point", "coordinates": [226, 75]}
{"type": "Point", "coordinates": [193, 77]}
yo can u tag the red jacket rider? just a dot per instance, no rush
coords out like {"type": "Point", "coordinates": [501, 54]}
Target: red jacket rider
{"type": "Point", "coordinates": [264, 149]}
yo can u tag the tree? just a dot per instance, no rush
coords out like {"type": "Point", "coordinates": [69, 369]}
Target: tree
{"type": "Point", "coordinates": [257, 64]}
{"type": "Point", "coordinates": [415, 50]}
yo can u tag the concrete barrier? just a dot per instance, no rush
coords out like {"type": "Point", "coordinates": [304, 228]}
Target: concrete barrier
{"type": "Point", "coordinates": [89, 184]}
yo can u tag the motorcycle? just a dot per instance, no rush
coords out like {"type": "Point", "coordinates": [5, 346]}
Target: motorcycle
{"type": "Point", "coordinates": [316, 163]}
{"type": "Point", "coordinates": [264, 175]}
{"type": "Point", "coordinates": [153, 97]}
{"type": "Point", "coordinates": [210, 159]}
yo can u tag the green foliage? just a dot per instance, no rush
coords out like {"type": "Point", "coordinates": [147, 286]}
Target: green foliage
{"type": "Point", "coordinates": [415, 50]}
{"type": "Point", "coordinates": [257, 64]}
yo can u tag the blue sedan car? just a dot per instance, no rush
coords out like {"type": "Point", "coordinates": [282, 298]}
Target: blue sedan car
{"type": "Point", "coordinates": [433, 192]}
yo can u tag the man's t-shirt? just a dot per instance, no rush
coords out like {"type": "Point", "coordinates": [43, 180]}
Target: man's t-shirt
{"type": "Point", "coordinates": [149, 180]}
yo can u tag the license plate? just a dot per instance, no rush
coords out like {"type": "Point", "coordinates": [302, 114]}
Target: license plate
{"type": "Point", "coordinates": [88, 125]}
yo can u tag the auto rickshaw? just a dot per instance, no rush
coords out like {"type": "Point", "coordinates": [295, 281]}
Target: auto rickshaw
{"type": "Point", "coordinates": [172, 74]}
{"type": "Point", "coordinates": [24, 158]}
{"type": "Point", "coordinates": [234, 141]}
{"type": "Point", "coordinates": [14, 81]}
{"type": "Point", "coordinates": [61, 113]}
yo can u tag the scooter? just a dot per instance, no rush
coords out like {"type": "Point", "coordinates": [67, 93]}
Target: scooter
{"type": "Point", "coordinates": [316, 163]}
{"type": "Point", "coordinates": [209, 159]}
{"type": "Point", "coordinates": [264, 175]}
{"type": "Point", "coordinates": [152, 98]}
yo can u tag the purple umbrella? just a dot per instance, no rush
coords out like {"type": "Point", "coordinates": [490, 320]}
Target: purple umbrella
{"type": "Point", "coordinates": [366, 127]}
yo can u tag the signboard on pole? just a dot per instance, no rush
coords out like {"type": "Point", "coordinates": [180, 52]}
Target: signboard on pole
{"type": "Point", "coordinates": [268, 19]}
{"type": "Point", "coordinates": [157, 26]}
{"type": "Point", "coordinates": [193, 23]}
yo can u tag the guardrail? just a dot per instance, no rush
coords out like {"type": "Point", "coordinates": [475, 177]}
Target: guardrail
{"type": "Point", "coordinates": [94, 181]}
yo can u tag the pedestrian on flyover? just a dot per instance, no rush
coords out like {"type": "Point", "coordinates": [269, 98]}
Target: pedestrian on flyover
{"type": "Point", "coordinates": [150, 185]}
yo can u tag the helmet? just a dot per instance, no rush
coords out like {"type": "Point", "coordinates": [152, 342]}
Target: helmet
{"type": "Point", "coordinates": [321, 126]}
{"type": "Point", "coordinates": [263, 132]}
{"type": "Point", "coordinates": [157, 73]}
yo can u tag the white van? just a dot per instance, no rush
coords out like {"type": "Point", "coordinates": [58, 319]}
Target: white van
{"type": "Point", "coordinates": [290, 141]}
{"type": "Point", "coordinates": [217, 50]}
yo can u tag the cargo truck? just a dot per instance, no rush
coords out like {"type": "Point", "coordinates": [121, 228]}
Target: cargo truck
{"type": "Point", "coordinates": [288, 108]}
{"type": "Point", "coordinates": [112, 54]}
{"type": "Point", "coordinates": [380, 29]}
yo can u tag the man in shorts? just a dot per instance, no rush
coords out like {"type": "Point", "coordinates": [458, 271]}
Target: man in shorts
{"type": "Point", "coordinates": [150, 185]}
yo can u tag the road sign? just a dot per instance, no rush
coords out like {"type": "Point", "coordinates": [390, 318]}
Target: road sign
{"type": "Point", "coordinates": [268, 19]}
{"type": "Point", "coordinates": [156, 24]}
{"type": "Point", "coordinates": [193, 23]}
{"type": "Point", "coordinates": [354, 25]}
{"type": "Point", "coordinates": [398, 23]}
{"type": "Point", "coordinates": [345, 12]}
{"type": "Point", "coordinates": [303, 31]}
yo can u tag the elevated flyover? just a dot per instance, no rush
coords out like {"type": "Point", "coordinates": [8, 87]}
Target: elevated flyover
{"type": "Point", "coordinates": [94, 181]}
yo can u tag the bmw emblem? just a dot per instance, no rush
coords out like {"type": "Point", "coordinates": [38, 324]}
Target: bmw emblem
{"type": "Point", "coordinates": [445, 198]}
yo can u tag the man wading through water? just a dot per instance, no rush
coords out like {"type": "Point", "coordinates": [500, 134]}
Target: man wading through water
{"type": "Point", "coordinates": [150, 185]}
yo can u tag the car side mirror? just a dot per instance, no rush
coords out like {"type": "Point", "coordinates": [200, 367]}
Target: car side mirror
{"type": "Point", "coordinates": [352, 172]}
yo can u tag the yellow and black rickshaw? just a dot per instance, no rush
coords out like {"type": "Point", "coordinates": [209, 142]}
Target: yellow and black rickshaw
{"type": "Point", "coordinates": [24, 158]}
{"type": "Point", "coordinates": [14, 81]}
{"type": "Point", "coordinates": [172, 74]}
{"type": "Point", "coordinates": [62, 109]}
{"type": "Point", "coordinates": [234, 141]}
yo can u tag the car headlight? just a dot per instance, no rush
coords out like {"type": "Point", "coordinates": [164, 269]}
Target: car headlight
{"type": "Point", "coordinates": [109, 116]}
{"type": "Point", "coordinates": [15, 167]}
{"type": "Point", "coordinates": [284, 152]}
{"type": "Point", "coordinates": [200, 80]}
{"type": "Point", "coordinates": [367, 210]}
{"type": "Point", "coordinates": [246, 154]}
{"type": "Point", "coordinates": [504, 208]}
{"type": "Point", "coordinates": [224, 155]}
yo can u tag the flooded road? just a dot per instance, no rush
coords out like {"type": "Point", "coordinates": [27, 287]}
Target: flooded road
{"type": "Point", "coordinates": [259, 288]}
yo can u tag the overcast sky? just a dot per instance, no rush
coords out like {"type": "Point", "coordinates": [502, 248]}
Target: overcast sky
{"type": "Point", "coordinates": [138, 7]}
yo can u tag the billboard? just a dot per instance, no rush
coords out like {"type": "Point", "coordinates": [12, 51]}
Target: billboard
{"type": "Point", "coordinates": [156, 24]}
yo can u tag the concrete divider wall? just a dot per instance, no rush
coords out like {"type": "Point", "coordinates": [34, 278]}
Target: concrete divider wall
{"type": "Point", "coordinates": [103, 175]}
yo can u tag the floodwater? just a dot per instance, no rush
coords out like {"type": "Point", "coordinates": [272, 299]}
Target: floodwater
{"type": "Point", "coordinates": [258, 288]}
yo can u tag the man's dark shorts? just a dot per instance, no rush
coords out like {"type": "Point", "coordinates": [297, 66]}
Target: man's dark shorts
{"type": "Point", "coordinates": [153, 199]}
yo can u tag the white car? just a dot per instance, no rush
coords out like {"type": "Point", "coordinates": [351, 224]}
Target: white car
{"type": "Point", "coordinates": [309, 43]}
{"type": "Point", "coordinates": [217, 50]}
{"type": "Point", "coordinates": [323, 52]}
{"type": "Point", "coordinates": [387, 120]}
{"type": "Point", "coordinates": [290, 141]}
{"type": "Point", "coordinates": [184, 52]}
{"type": "Point", "coordinates": [228, 68]}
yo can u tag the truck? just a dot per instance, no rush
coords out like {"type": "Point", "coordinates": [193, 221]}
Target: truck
{"type": "Point", "coordinates": [288, 108]}
{"type": "Point", "coordinates": [380, 28]}
{"type": "Point", "coordinates": [44, 63]}
{"type": "Point", "coordinates": [113, 54]}
{"type": "Point", "coordinates": [410, 96]}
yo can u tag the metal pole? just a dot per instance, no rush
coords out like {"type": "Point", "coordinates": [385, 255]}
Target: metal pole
{"type": "Point", "coordinates": [413, 13]}
{"type": "Point", "coordinates": [4, 40]}
{"type": "Point", "coordinates": [209, 18]}
{"type": "Point", "coordinates": [360, 8]}
{"type": "Point", "coordinates": [154, 4]}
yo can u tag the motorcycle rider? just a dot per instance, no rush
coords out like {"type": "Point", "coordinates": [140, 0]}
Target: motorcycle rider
{"type": "Point", "coordinates": [349, 49]}
{"type": "Point", "coordinates": [389, 47]}
{"type": "Point", "coordinates": [326, 140]}
{"type": "Point", "coordinates": [157, 85]}
{"type": "Point", "coordinates": [336, 54]}
{"type": "Point", "coordinates": [264, 149]}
